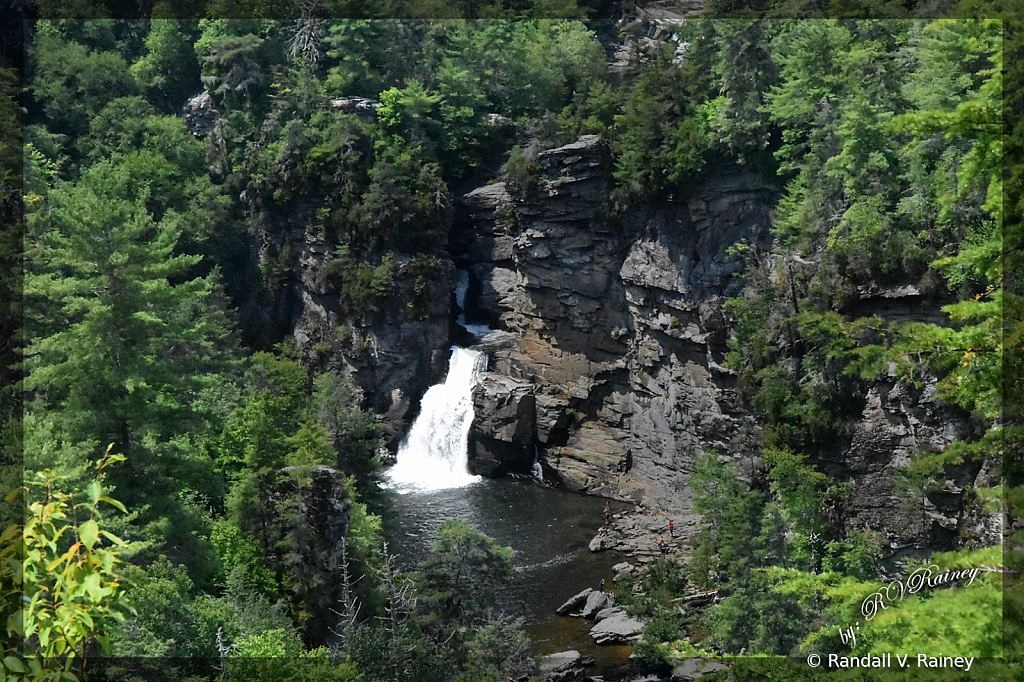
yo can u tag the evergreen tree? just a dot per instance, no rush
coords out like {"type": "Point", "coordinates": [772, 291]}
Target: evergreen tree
{"type": "Point", "coordinates": [122, 345]}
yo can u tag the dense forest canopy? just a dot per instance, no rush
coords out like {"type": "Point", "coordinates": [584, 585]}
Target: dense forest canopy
{"type": "Point", "coordinates": [167, 463]}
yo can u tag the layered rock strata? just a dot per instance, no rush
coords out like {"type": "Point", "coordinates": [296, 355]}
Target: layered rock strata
{"type": "Point", "coordinates": [615, 382]}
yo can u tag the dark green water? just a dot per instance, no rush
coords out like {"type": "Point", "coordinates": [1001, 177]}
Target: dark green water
{"type": "Point", "coordinates": [549, 529]}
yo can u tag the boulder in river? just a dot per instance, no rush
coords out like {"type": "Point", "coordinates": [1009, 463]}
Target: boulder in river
{"type": "Point", "coordinates": [575, 603]}
{"type": "Point", "coordinates": [692, 668]}
{"type": "Point", "coordinates": [565, 666]}
{"type": "Point", "coordinates": [596, 601]}
{"type": "Point", "coordinates": [618, 628]}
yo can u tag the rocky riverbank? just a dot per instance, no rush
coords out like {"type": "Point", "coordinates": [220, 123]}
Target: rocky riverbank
{"type": "Point", "coordinates": [632, 534]}
{"type": "Point", "coordinates": [635, 532]}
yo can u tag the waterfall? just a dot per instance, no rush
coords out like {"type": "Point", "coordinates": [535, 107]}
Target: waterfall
{"type": "Point", "coordinates": [433, 455]}
{"type": "Point", "coordinates": [461, 287]}
{"type": "Point", "coordinates": [536, 471]}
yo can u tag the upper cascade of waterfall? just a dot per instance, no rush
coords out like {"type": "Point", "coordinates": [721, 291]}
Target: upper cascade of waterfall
{"type": "Point", "coordinates": [435, 453]}
{"type": "Point", "coordinates": [461, 287]}
{"type": "Point", "coordinates": [478, 331]}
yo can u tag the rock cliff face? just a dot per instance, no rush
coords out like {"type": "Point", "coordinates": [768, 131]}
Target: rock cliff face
{"type": "Point", "coordinates": [614, 381]}
{"type": "Point", "coordinates": [615, 378]}
{"type": "Point", "coordinates": [394, 342]}
{"type": "Point", "coordinates": [609, 371]}
{"type": "Point", "coordinates": [896, 424]}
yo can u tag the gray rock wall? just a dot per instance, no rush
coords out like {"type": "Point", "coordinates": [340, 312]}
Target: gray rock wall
{"type": "Point", "coordinates": [616, 377]}
{"type": "Point", "coordinates": [392, 351]}
{"type": "Point", "coordinates": [611, 368]}
{"type": "Point", "coordinates": [620, 326]}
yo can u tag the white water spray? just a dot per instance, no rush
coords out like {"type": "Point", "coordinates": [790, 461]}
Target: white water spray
{"type": "Point", "coordinates": [434, 454]}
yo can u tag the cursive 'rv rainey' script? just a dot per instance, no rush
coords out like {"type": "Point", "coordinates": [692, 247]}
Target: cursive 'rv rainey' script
{"type": "Point", "coordinates": [927, 576]}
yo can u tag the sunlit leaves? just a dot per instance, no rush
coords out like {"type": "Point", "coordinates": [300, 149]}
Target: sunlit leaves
{"type": "Point", "coordinates": [60, 580]}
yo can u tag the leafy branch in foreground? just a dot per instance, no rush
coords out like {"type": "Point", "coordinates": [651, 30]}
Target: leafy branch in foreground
{"type": "Point", "coordinates": [59, 583]}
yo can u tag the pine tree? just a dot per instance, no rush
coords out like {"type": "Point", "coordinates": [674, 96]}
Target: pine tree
{"type": "Point", "coordinates": [121, 344]}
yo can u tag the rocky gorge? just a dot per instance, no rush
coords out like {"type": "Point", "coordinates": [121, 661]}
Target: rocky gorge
{"type": "Point", "coordinates": [610, 370]}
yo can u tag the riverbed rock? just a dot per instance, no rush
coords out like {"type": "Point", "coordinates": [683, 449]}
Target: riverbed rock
{"type": "Point", "coordinates": [692, 668]}
{"type": "Point", "coordinates": [564, 666]}
{"type": "Point", "coordinates": [596, 601]}
{"type": "Point", "coordinates": [574, 603]}
{"type": "Point", "coordinates": [623, 567]}
{"type": "Point", "coordinates": [617, 627]}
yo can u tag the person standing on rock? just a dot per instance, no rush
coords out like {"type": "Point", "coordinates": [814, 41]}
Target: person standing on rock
{"type": "Point", "coordinates": [607, 512]}
{"type": "Point", "coordinates": [671, 529]}
{"type": "Point", "coordinates": [602, 584]}
{"type": "Point", "coordinates": [661, 545]}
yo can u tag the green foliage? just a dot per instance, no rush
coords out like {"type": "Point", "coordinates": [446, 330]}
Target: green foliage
{"type": "Point", "coordinates": [857, 556]}
{"type": "Point", "coordinates": [164, 622]}
{"type": "Point", "coordinates": [73, 83]}
{"type": "Point", "coordinates": [354, 432]}
{"type": "Point", "coordinates": [241, 558]}
{"type": "Point", "coordinates": [731, 512]}
{"type": "Point", "coordinates": [309, 446]}
{"type": "Point", "coordinates": [652, 656]}
{"type": "Point", "coordinates": [521, 171]}
{"type": "Point", "coordinates": [60, 580]}
{"type": "Point", "coordinates": [405, 203]}
{"type": "Point", "coordinates": [234, 67]}
{"type": "Point", "coordinates": [745, 69]}
{"type": "Point", "coordinates": [264, 657]}
{"type": "Point", "coordinates": [659, 143]}
{"type": "Point", "coordinates": [666, 627]}
{"type": "Point", "coordinates": [364, 66]}
{"type": "Point", "coordinates": [497, 651]}
{"type": "Point", "coordinates": [929, 621]}
{"type": "Point", "coordinates": [360, 285]}
{"type": "Point", "coordinates": [365, 529]}
{"type": "Point", "coordinates": [277, 656]}
{"type": "Point", "coordinates": [469, 555]}
{"type": "Point", "coordinates": [123, 338]}
{"type": "Point", "coordinates": [407, 654]}
{"type": "Point", "coordinates": [169, 72]}
{"type": "Point", "coordinates": [757, 619]}
{"type": "Point", "coordinates": [10, 130]}
{"type": "Point", "coordinates": [454, 580]}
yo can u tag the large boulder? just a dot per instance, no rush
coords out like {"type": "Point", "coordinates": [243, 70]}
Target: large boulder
{"type": "Point", "coordinates": [617, 627]}
{"type": "Point", "coordinates": [575, 603]}
{"type": "Point", "coordinates": [565, 666]}
{"type": "Point", "coordinates": [596, 602]}
{"type": "Point", "coordinates": [692, 668]}
{"type": "Point", "coordinates": [502, 434]}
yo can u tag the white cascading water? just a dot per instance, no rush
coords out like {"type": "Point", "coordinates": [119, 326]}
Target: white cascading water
{"type": "Point", "coordinates": [536, 471]}
{"type": "Point", "coordinates": [434, 454]}
{"type": "Point", "coordinates": [461, 287]}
